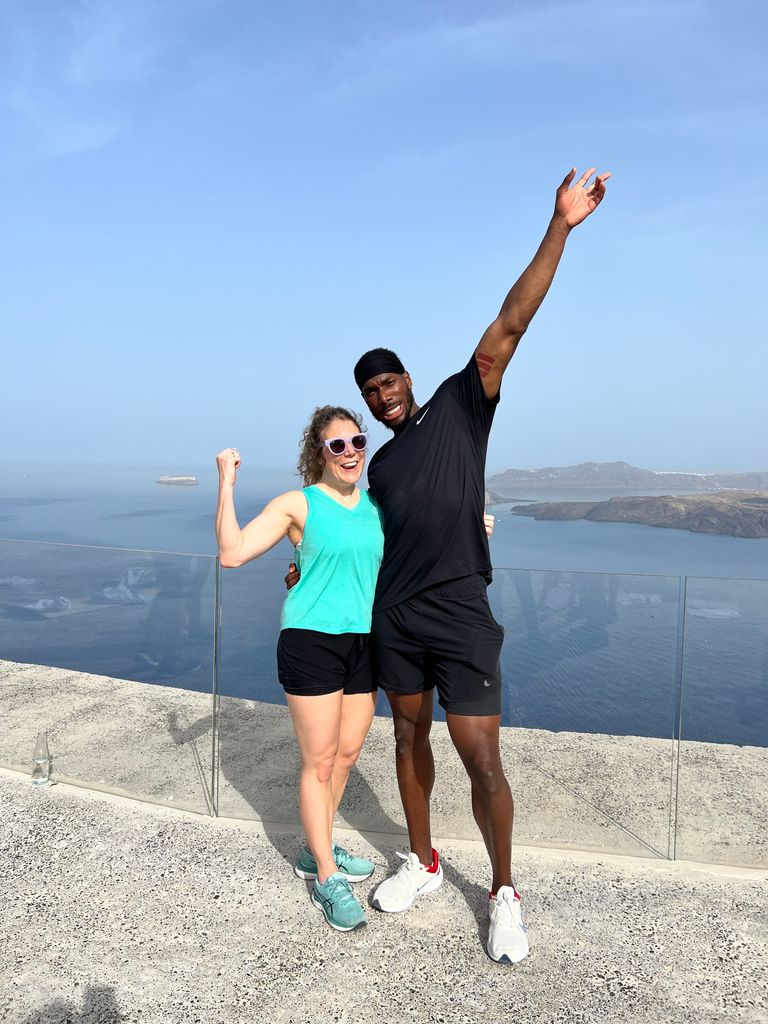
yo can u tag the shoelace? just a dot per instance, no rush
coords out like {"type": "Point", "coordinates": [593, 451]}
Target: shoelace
{"type": "Point", "coordinates": [340, 855]}
{"type": "Point", "coordinates": [338, 891]}
{"type": "Point", "coordinates": [410, 863]}
{"type": "Point", "coordinates": [510, 908]}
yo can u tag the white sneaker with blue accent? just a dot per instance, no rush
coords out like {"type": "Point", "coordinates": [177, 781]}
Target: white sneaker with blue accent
{"type": "Point", "coordinates": [412, 879]}
{"type": "Point", "coordinates": [507, 935]}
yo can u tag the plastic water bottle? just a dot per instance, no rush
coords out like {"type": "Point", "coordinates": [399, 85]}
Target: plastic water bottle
{"type": "Point", "coordinates": [41, 762]}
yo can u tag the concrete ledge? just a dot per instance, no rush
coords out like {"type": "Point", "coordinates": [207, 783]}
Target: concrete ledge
{"type": "Point", "coordinates": [348, 835]}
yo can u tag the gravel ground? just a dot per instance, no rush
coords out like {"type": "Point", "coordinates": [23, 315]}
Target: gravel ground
{"type": "Point", "coordinates": [117, 912]}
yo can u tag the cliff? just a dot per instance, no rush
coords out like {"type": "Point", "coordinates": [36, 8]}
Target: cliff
{"type": "Point", "coordinates": [734, 513]}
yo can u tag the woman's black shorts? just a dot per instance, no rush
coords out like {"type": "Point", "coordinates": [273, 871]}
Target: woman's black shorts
{"type": "Point", "coordinates": [310, 663]}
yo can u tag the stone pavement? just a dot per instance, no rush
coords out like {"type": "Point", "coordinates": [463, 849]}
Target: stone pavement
{"type": "Point", "coordinates": [118, 912]}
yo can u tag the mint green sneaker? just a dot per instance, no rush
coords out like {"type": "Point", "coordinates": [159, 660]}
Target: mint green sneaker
{"type": "Point", "coordinates": [353, 869]}
{"type": "Point", "coordinates": [337, 901]}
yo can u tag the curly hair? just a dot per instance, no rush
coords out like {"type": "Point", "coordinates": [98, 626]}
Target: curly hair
{"type": "Point", "coordinates": [311, 463]}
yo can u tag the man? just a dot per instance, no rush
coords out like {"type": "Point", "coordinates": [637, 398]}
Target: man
{"type": "Point", "coordinates": [432, 626]}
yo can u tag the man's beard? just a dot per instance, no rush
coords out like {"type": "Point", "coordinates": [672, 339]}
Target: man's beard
{"type": "Point", "coordinates": [408, 406]}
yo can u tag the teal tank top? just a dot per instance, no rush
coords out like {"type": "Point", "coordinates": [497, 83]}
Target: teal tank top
{"type": "Point", "coordinates": [338, 558]}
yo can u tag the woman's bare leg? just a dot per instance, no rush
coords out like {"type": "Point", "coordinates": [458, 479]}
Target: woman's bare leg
{"type": "Point", "coordinates": [317, 723]}
{"type": "Point", "coordinates": [356, 716]}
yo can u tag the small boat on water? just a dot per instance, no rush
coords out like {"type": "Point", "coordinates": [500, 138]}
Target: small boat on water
{"type": "Point", "coordinates": [180, 481]}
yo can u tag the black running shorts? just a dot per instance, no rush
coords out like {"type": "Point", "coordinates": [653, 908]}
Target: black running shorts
{"type": "Point", "coordinates": [310, 663]}
{"type": "Point", "coordinates": [444, 637]}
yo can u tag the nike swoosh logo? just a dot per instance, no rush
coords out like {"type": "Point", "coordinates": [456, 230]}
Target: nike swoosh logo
{"type": "Point", "coordinates": [486, 683]}
{"type": "Point", "coordinates": [418, 421]}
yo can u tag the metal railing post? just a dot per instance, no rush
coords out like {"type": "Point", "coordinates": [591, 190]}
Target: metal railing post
{"type": "Point", "coordinates": [674, 791]}
{"type": "Point", "coordinates": [215, 692]}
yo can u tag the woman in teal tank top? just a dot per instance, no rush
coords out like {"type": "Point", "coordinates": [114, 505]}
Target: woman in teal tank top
{"type": "Point", "coordinates": [323, 648]}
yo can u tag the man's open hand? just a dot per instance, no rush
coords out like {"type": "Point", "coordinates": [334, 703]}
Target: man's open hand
{"type": "Point", "coordinates": [575, 203]}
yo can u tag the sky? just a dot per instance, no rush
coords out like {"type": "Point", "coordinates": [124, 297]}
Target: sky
{"type": "Point", "coordinates": [211, 208]}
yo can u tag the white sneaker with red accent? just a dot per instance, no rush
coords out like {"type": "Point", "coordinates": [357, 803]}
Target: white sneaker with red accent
{"type": "Point", "coordinates": [507, 938]}
{"type": "Point", "coordinates": [412, 879]}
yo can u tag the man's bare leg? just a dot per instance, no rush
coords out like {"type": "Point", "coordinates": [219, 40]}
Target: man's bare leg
{"type": "Point", "coordinates": [477, 741]}
{"type": "Point", "coordinates": [412, 717]}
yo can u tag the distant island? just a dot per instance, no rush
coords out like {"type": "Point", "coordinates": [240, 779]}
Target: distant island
{"type": "Point", "coordinates": [734, 513]}
{"type": "Point", "coordinates": [180, 481]}
{"type": "Point", "coordinates": [619, 477]}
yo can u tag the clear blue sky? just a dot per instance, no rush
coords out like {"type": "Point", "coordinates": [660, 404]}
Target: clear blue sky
{"type": "Point", "coordinates": [210, 209]}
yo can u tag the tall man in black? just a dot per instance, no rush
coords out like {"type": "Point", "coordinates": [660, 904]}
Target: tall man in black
{"type": "Point", "coordinates": [432, 626]}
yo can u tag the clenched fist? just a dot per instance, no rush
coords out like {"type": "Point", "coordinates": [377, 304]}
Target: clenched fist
{"type": "Point", "coordinates": [228, 462]}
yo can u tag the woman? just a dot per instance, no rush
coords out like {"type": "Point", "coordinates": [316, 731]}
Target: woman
{"type": "Point", "coordinates": [322, 653]}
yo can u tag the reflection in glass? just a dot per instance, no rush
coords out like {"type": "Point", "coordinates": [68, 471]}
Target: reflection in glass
{"type": "Point", "coordinates": [588, 652]}
{"type": "Point", "coordinates": [589, 668]}
{"type": "Point", "coordinates": [83, 632]}
{"type": "Point", "coordinates": [722, 800]}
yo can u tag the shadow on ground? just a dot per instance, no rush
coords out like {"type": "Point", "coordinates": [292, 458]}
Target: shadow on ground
{"type": "Point", "coordinates": [260, 777]}
{"type": "Point", "coordinates": [99, 1007]}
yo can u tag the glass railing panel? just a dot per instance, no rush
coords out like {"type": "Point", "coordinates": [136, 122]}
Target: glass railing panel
{"type": "Point", "coordinates": [590, 697]}
{"type": "Point", "coordinates": [722, 802]}
{"type": "Point", "coordinates": [590, 694]}
{"type": "Point", "coordinates": [257, 751]}
{"type": "Point", "coordinates": [257, 748]}
{"type": "Point", "coordinates": [109, 651]}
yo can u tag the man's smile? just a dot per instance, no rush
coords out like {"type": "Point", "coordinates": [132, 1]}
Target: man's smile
{"type": "Point", "coordinates": [392, 411]}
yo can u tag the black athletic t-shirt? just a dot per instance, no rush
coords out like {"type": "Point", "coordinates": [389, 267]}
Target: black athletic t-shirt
{"type": "Point", "coordinates": [429, 483]}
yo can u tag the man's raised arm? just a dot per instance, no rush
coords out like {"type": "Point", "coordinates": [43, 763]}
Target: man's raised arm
{"type": "Point", "coordinates": [573, 204]}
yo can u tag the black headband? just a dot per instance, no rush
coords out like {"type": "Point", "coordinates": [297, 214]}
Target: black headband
{"type": "Point", "coordinates": [376, 362]}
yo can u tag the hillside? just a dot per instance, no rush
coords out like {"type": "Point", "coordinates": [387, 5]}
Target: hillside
{"type": "Point", "coordinates": [734, 513]}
